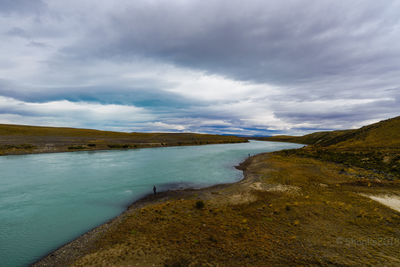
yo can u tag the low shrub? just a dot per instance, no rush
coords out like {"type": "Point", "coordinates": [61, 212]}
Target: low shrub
{"type": "Point", "coordinates": [199, 204]}
{"type": "Point", "coordinates": [22, 146]}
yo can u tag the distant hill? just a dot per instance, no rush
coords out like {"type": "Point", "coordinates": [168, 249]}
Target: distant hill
{"type": "Point", "coordinates": [21, 139]}
{"type": "Point", "coordinates": [383, 134]}
{"type": "Point", "coordinates": [321, 138]}
{"type": "Point", "coordinates": [375, 146]}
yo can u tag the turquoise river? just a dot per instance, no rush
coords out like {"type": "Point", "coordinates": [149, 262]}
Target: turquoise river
{"type": "Point", "coordinates": [47, 200]}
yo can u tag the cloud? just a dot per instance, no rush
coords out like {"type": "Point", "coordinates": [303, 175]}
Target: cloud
{"type": "Point", "coordinates": [161, 126]}
{"type": "Point", "coordinates": [77, 114]}
{"type": "Point", "coordinates": [256, 67]}
{"type": "Point", "coordinates": [257, 40]}
{"type": "Point", "coordinates": [21, 6]}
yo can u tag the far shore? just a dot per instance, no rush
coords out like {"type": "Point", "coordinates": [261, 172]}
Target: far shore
{"type": "Point", "coordinates": [23, 139]}
{"type": "Point", "coordinates": [87, 149]}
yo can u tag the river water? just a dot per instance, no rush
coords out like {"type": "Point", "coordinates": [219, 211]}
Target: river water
{"type": "Point", "coordinates": [47, 200]}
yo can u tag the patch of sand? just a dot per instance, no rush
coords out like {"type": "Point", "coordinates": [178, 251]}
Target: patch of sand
{"type": "Point", "coordinates": [274, 187]}
{"type": "Point", "coordinates": [391, 201]}
{"type": "Point", "coordinates": [242, 198]}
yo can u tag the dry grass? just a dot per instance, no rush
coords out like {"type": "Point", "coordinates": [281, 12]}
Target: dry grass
{"type": "Point", "coordinates": [384, 134]}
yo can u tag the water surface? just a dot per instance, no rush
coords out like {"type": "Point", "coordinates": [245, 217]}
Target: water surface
{"type": "Point", "coordinates": [47, 200]}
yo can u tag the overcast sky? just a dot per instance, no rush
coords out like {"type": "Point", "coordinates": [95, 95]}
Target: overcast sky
{"type": "Point", "coordinates": [232, 67]}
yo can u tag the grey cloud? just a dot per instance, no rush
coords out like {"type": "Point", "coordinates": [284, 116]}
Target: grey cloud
{"type": "Point", "coordinates": [21, 6]}
{"type": "Point", "coordinates": [16, 31]}
{"type": "Point", "coordinates": [324, 50]}
{"type": "Point", "coordinates": [37, 44]}
{"type": "Point", "coordinates": [345, 117]}
{"type": "Point", "coordinates": [138, 96]}
{"type": "Point", "coordinates": [312, 50]}
{"type": "Point", "coordinates": [257, 40]}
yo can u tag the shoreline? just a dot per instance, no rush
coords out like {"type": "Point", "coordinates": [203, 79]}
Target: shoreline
{"type": "Point", "coordinates": [153, 145]}
{"type": "Point", "coordinates": [69, 252]}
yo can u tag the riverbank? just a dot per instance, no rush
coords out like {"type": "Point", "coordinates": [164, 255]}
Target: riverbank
{"type": "Point", "coordinates": [64, 149]}
{"type": "Point", "coordinates": [21, 139]}
{"type": "Point", "coordinates": [286, 210]}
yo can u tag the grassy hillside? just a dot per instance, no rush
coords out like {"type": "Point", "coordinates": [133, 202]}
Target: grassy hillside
{"type": "Point", "coordinates": [321, 138]}
{"type": "Point", "coordinates": [19, 139]}
{"type": "Point", "coordinates": [383, 134]}
{"type": "Point", "coordinates": [375, 146]}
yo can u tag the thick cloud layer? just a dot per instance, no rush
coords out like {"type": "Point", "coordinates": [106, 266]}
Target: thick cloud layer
{"type": "Point", "coordinates": [253, 67]}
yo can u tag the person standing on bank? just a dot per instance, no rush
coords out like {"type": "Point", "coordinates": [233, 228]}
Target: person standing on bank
{"type": "Point", "coordinates": [155, 190]}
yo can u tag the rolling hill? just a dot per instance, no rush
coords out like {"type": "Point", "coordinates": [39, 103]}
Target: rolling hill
{"type": "Point", "coordinates": [383, 134]}
{"type": "Point", "coordinates": [375, 146]}
{"type": "Point", "coordinates": [21, 139]}
{"type": "Point", "coordinates": [321, 138]}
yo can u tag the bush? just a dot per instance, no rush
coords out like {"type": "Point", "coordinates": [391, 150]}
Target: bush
{"type": "Point", "coordinates": [26, 146]}
{"type": "Point", "coordinates": [91, 145]}
{"type": "Point", "coordinates": [199, 204]}
{"type": "Point", "coordinates": [118, 146]}
{"type": "Point", "coordinates": [22, 146]}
